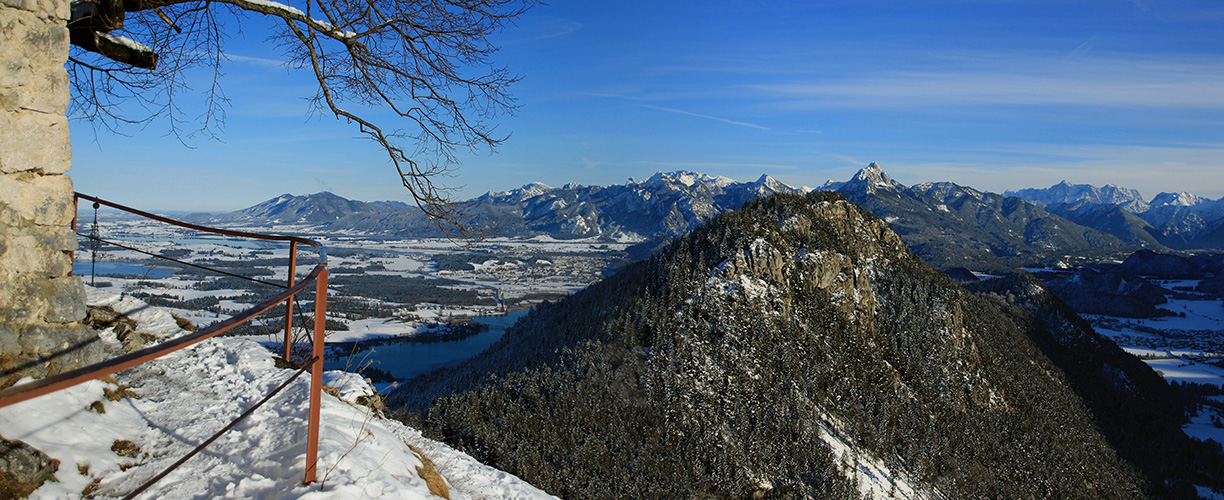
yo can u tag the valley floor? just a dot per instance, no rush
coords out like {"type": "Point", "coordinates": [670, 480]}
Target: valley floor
{"type": "Point", "coordinates": [1182, 349]}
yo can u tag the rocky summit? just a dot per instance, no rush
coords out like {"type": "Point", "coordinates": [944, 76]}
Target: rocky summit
{"type": "Point", "coordinates": [791, 348]}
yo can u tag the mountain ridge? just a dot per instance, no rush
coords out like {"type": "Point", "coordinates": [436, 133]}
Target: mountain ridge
{"type": "Point", "coordinates": [1181, 221]}
{"type": "Point", "coordinates": [721, 366]}
{"type": "Point", "coordinates": [948, 224]}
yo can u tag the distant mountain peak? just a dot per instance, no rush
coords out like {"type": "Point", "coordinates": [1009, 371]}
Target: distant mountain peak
{"type": "Point", "coordinates": [870, 179]}
{"type": "Point", "coordinates": [687, 179]}
{"type": "Point", "coordinates": [1182, 199]}
{"type": "Point", "coordinates": [765, 181]}
{"type": "Point", "coordinates": [325, 195]}
{"type": "Point", "coordinates": [1067, 193]}
{"type": "Point", "coordinates": [537, 187]}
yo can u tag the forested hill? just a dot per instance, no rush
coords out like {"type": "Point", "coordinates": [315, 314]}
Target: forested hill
{"type": "Point", "coordinates": [778, 351]}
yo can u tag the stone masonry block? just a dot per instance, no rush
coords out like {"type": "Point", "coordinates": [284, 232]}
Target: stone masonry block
{"type": "Point", "coordinates": [67, 300]}
{"type": "Point", "coordinates": [45, 39]}
{"type": "Point", "coordinates": [15, 73]}
{"type": "Point", "coordinates": [60, 347]}
{"type": "Point", "coordinates": [21, 303]}
{"type": "Point", "coordinates": [8, 340]}
{"type": "Point", "coordinates": [10, 99]}
{"type": "Point", "coordinates": [52, 95]}
{"type": "Point", "coordinates": [27, 299]}
{"type": "Point", "coordinates": [60, 10]}
{"type": "Point", "coordinates": [34, 141]}
{"type": "Point", "coordinates": [44, 200]}
{"type": "Point", "coordinates": [38, 253]}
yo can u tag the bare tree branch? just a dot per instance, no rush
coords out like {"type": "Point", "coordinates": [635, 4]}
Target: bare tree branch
{"type": "Point", "coordinates": [429, 62]}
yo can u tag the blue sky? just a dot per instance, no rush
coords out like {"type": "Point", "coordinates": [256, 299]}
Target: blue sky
{"type": "Point", "coordinates": [991, 94]}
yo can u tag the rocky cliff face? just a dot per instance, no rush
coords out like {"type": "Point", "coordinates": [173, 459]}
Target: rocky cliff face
{"type": "Point", "coordinates": [774, 352]}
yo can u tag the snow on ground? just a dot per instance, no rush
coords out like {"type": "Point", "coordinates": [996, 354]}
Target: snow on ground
{"type": "Point", "coordinates": [179, 400]}
{"type": "Point", "coordinates": [1176, 347]}
{"type": "Point", "coordinates": [1206, 493]}
{"type": "Point", "coordinates": [373, 328]}
{"type": "Point", "coordinates": [1200, 315]}
{"type": "Point", "coordinates": [148, 319]}
{"type": "Point", "coordinates": [1171, 365]}
{"type": "Point", "coordinates": [875, 480]}
{"type": "Point", "coordinates": [1202, 426]}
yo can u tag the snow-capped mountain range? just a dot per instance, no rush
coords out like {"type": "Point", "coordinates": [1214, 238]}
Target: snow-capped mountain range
{"type": "Point", "coordinates": [665, 205]}
{"type": "Point", "coordinates": [1175, 220]}
{"type": "Point", "coordinates": [948, 224]}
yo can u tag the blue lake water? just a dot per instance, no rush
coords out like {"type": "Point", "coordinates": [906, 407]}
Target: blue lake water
{"type": "Point", "coordinates": [86, 268]}
{"type": "Point", "coordinates": [227, 242]}
{"type": "Point", "coordinates": [405, 360]}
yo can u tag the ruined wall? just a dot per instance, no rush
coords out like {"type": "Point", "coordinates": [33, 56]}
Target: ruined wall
{"type": "Point", "coordinates": [40, 305]}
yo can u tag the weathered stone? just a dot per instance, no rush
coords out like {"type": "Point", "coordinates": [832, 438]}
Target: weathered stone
{"type": "Point", "coordinates": [38, 253]}
{"type": "Point", "coordinates": [40, 306]}
{"type": "Point", "coordinates": [11, 27]}
{"type": "Point", "coordinates": [52, 99]}
{"type": "Point", "coordinates": [24, 468]}
{"type": "Point", "coordinates": [67, 302]}
{"type": "Point", "coordinates": [10, 98]}
{"type": "Point", "coordinates": [20, 303]}
{"type": "Point", "coordinates": [35, 141]}
{"type": "Point", "coordinates": [59, 348]}
{"type": "Point", "coordinates": [39, 199]}
{"type": "Point", "coordinates": [8, 340]}
{"type": "Point", "coordinates": [61, 12]}
{"type": "Point", "coordinates": [15, 74]}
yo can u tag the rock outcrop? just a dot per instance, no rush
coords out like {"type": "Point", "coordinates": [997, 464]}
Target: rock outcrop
{"type": "Point", "coordinates": [780, 350]}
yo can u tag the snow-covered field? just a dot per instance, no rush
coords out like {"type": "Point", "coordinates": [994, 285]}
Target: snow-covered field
{"type": "Point", "coordinates": [1186, 348]}
{"type": "Point", "coordinates": [1178, 366]}
{"type": "Point", "coordinates": [158, 411]}
{"type": "Point", "coordinates": [496, 273]}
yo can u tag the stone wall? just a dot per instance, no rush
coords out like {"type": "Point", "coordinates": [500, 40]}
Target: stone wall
{"type": "Point", "coordinates": [41, 306]}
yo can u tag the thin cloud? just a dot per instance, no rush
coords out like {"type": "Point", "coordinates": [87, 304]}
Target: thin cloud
{"type": "Point", "coordinates": [1082, 49]}
{"type": "Point", "coordinates": [545, 29]}
{"type": "Point", "coordinates": [707, 117]}
{"type": "Point", "coordinates": [259, 61]}
{"type": "Point", "coordinates": [1082, 80]}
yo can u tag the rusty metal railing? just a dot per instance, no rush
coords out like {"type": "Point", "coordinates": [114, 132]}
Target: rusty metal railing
{"type": "Point", "coordinates": [318, 276]}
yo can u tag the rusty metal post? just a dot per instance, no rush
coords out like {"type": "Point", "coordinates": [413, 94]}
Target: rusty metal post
{"type": "Point", "coordinates": [316, 377]}
{"type": "Point", "coordinates": [289, 303]}
{"type": "Point", "coordinates": [75, 207]}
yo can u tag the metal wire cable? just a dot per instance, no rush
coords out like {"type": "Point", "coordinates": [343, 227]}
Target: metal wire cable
{"type": "Point", "coordinates": [171, 259]}
{"type": "Point", "coordinates": [223, 430]}
{"type": "Point", "coordinates": [302, 320]}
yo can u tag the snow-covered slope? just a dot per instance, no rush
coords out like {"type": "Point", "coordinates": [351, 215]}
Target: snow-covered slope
{"type": "Point", "coordinates": [1065, 192]}
{"type": "Point", "coordinates": [168, 406]}
{"type": "Point", "coordinates": [1178, 220]}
